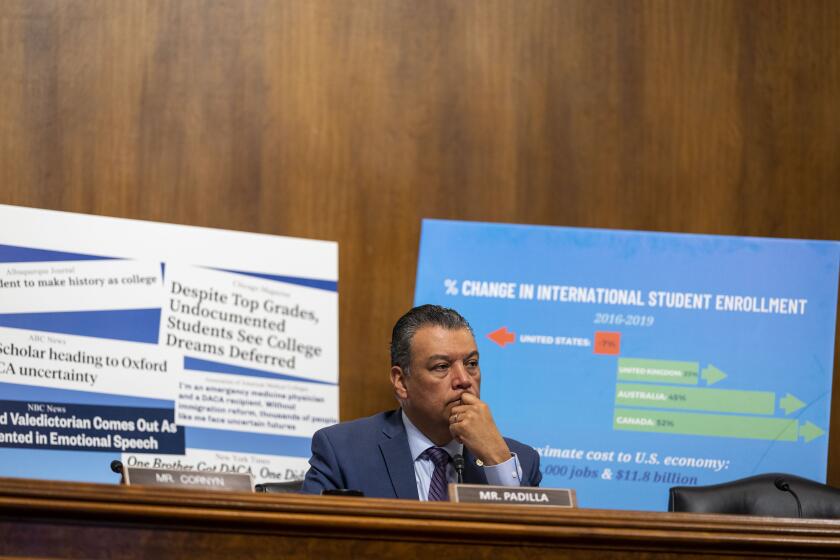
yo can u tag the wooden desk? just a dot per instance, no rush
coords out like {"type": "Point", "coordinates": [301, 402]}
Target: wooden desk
{"type": "Point", "coordinates": [40, 519]}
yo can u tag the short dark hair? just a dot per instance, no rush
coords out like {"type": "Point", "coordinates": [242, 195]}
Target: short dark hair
{"type": "Point", "coordinates": [412, 321]}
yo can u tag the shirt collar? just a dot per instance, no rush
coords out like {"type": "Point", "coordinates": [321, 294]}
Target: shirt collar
{"type": "Point", "coordinates": [418, 442]}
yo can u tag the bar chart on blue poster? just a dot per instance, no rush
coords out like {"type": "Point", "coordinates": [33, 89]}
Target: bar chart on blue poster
{"type": "Point", "coordinates": [162, 346]}
{"type": "Point", "coordinates": [635, 361]}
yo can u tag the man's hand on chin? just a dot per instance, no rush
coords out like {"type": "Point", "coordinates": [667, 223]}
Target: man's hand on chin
{"type": "Point", "coordinates": [472, 424]}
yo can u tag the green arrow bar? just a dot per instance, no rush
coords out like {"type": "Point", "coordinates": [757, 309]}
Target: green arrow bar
{"type": "Point", "coordinates": [694, 398]}
{"type": "Point", "coordinates": [809, 431]}
{"type": "Point", "coordinates": [697, 424]}
{"type": "Point", "coordinates": [658, 371]}
{"type": "Point", "coordinates": [790, 403]}
{"type": "Point", "coordinates": [712, 375]}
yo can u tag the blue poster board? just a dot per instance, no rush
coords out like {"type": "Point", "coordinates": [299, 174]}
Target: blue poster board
{"type": "Point", "coordinates": [637, 361]}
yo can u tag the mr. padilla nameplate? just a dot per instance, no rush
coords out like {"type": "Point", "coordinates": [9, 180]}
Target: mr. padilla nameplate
{"type": "Point", "coordinates": [484, 494]}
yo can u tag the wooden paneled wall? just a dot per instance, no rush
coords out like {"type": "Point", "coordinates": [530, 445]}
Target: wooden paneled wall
{"type": "Point", "coordinates": [352, 120]}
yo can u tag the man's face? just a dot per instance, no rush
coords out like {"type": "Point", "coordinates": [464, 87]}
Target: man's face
{"type": "Point", "coordinates": [444, 364]}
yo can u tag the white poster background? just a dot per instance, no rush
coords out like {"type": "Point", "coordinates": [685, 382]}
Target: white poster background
{"type": "Point", "coordinates": [80, 363]}
{"type": "Point", "coordinates": [264, 468]}
{"type": "Point", "coordinates": [254, 404]}
{"type": "Point", "coordinates": [79, 286]}
{"type": "Point", "coordinates": [251, 322]}
{"type": "Point", "coordinates": [189, 255]}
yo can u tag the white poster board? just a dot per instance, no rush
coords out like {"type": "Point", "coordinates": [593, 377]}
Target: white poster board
{"type": "Point", "coordinates": [162, 346]}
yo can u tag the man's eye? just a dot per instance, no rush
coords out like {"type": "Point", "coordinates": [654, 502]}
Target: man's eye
{"type": "Point", "coordinates": [472, 364]}
{"type": "Point", "coordinates": [440, 367]}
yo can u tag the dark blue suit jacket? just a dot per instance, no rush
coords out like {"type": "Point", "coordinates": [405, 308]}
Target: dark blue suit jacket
{"type": "Point", "coordinates": [372, 455]}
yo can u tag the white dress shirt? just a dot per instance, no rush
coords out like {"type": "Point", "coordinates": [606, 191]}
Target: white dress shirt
{"type": "Point", "coordinates": [508, 473]}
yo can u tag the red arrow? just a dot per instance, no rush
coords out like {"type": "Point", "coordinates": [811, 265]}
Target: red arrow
{"type": "Point", "coordinates": [502, 336]}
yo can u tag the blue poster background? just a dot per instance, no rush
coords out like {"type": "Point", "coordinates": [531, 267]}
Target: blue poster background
{"type": "Point", "coordinates": [552, 383]}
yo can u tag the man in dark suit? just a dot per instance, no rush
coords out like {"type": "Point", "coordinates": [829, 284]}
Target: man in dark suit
{"type": "Point", "coordinates": [408, 453]}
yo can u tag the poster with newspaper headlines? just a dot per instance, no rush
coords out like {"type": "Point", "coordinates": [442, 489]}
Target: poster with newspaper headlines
{"type": "Point", "coordinates": [636, 361]}
{"type": "Point", "coordinates": [162, 346]}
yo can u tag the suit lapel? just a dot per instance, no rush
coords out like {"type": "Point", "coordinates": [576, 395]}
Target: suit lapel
{"type": "Point", "coordinates": [473, 474]}
{"type": "Point", "coordinates": [397, 455]}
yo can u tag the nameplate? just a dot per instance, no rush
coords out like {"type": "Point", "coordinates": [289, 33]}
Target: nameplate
{"type": "Point", "coordinates": [530, 496]}
{"type": "Point", "coordinates": [226, 482]}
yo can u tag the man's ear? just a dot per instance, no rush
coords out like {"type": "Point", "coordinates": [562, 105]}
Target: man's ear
{"type": "Point", "coordinates": [398, 381]}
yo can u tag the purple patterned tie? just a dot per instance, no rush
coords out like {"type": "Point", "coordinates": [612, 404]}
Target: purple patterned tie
{"type": "Point", "coordinates": [437, 488]}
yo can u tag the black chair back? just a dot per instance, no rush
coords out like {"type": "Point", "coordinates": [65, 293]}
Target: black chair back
{"type": "Point", "coordinates": [275, 487]}
{"type": "Point", "coordinates": [771, 495]}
